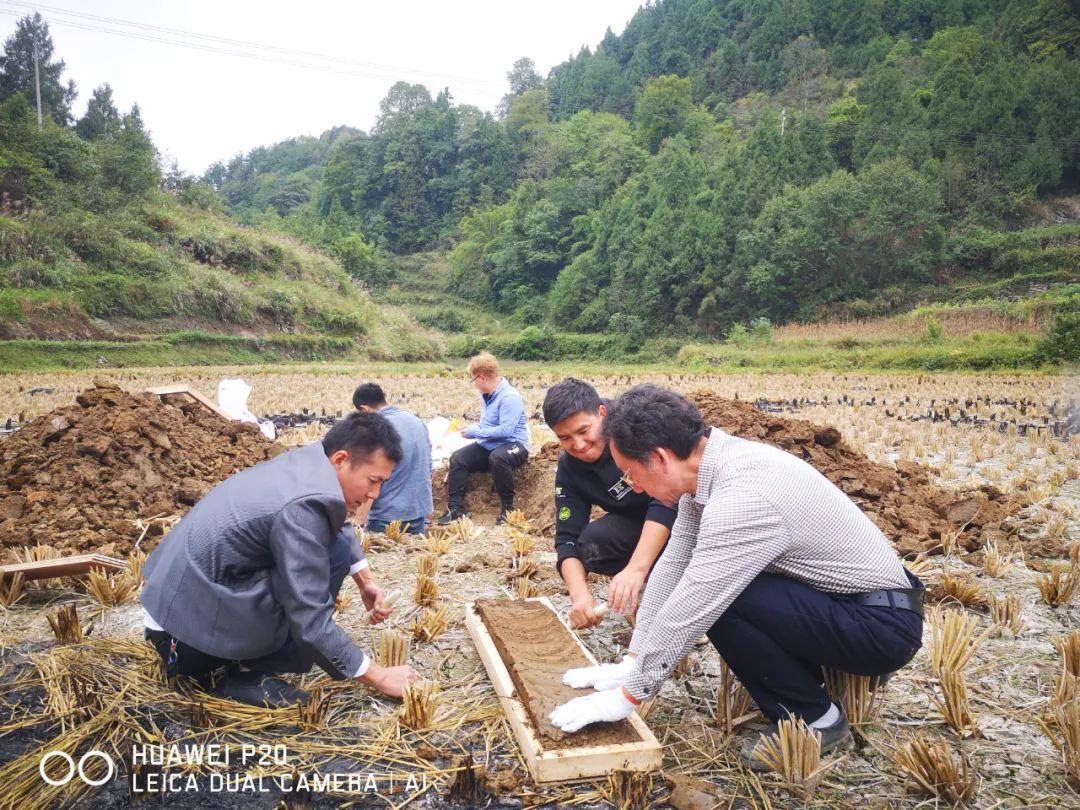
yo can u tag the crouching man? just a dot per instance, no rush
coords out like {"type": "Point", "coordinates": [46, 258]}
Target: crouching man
{"type": "Point", "coordinates": [625, 542]}
{"type": "Point", "coordinates": [246, 581]}
{"type": "Point", "coordinates": [780, 569]}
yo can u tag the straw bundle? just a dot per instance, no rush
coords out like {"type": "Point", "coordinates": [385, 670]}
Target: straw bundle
{"type": "Point", "coordinates": [927, 760]}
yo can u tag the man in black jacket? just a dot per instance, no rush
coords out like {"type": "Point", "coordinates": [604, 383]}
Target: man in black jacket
{"type": "Point", "coordinates": [627, 540]}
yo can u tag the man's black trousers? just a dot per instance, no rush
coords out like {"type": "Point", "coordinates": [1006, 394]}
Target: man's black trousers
{"type": "Point", "coordinates": [291, 657]}
{"type": "Point", "coordinates": [502, 461]}
{"type": "Point", "coordinates": [779, 633]}
{"type": "Point", "coordinates": [606, 545]}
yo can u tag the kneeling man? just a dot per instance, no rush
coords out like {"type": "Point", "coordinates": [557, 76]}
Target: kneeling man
{"type": "Point", "coordinates": [781, 570]}
{"type": "Point", "coordinates": [625, 542]}
{"type": "Point", "coordinates": [247, 580]}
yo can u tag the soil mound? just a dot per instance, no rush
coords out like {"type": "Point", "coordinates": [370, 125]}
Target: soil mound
{"type": "Point", "coordinates": [899, 500]}
{"type": "Point", "coordinates": [534, 482]}
{"type": "Point", "coordinates": [78, 478]}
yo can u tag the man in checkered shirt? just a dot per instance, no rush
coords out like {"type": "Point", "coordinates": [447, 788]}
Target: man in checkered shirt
{"type": "Point", "coordinates": [767, 557]}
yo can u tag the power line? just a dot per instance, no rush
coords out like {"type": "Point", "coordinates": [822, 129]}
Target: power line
{"type": "Point", "coordinates": [308, 60]}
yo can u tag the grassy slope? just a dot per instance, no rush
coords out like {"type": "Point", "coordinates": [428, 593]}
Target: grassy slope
{"type": "Point", "coordinates": [158, 282]}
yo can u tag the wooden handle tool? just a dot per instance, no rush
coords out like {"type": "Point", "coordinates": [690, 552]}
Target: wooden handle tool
{"type": "Point", "coordinates": [387, 602]}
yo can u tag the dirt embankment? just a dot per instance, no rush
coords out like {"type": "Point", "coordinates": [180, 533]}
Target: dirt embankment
{"type": "Point", "coordinates": [899, 500]}
{"type": "Point", "coordinates": [80, 477]}
{"type": "Point", "coordinates": [534, 482]}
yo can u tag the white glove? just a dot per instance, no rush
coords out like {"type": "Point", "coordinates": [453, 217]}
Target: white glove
{"type": "Point", "coordinates": [599, 707]}
{"type": "Point", "coordinates": [601, 677]}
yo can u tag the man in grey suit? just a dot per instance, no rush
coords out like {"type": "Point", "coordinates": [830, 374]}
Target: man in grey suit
{"type": "Point", "coordinates": [246, 581]}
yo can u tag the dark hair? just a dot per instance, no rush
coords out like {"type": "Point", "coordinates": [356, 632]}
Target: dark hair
{"type": "Point", "coordinates": [362, 435]}
{"type": "Point", "coordinates": [647, 417]}
{"type": "Point", "coordinates": [568, 397]}
{"type": "Point", "coordinates": [370, 394]}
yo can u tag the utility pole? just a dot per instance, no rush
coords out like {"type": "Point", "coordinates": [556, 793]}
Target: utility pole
{"type": "Point", "coordinates": [37, 84]}
{"type": "Point", "coordinates": [783, 120]}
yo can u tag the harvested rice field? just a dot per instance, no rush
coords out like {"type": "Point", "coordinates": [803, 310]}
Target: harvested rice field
{"type": "Point", "coordinates": [976, 479]}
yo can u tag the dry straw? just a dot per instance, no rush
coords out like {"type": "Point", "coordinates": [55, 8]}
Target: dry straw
{"type": "Point", "coordinates": [1064, 733]}
{"type": "Point", "coordinates": [395, 531]}
{"type": "Point", "coordinates": [859, 695]}
{"type": "Point", "coordinates": [1006, 614]}
{"type": "Point", "coordinates": [65, 624]}
{"type": "Point", "coordinates": [311, 715]}
{"type": "Point", "coordinates": [1057, 587]}
{"type": "Point", "coordinates": [525, 588]}
{"type": "Point", "coordinates": [111, 591]}
{"type": "Point", "coordinates": [432, 624]}
{"type": "Point", "coordinates": [427, 565]}
{"type": "Point", "coordinates": [516, 519]}
{"type": "Point", "coordinates": [629, 790]}
{"type": "Point", "coordinates": [439, 541]}
{"type": "Point", "coordinates": [427, 591]}
{"type": "Point", "coordinates": [11, 590]}
{"type": "Point", "coordinates": [954, 706]}
{"type": "Point", "coordinates": [1068, 683]}
{"type": "Point", "coordinates": [419, 700]}
{"type": "Point", "coordinates": [952, 640]}
{"type": "Point", "coordinates": [926, 759]}
{"type": "Point", "coordinates": [733, 702]}
{"type": "Point", "coordinates": [995, 562]}
{"type": "Point", "coordinates": [521, 545]}
{"type": "Point", "coordinates": [393, 649]}
{"type": "Point", "coordinates": [962, 589]}
{"type": "Point", "coordinates": [794, 754]}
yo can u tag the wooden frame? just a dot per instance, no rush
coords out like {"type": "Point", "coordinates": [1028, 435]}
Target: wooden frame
{"type": "Point", "coordinates": [166, 390]}
{"type": "Point", "coordinates": [78, 565]}
{"type": "Point", "coordinates": [564, 764]}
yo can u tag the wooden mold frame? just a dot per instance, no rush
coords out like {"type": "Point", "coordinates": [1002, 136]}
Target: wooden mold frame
{"type": "Point", "coordinates": [186, 390]}
{"type": "Point", "coordinates": [78, 565]}
{"type": "Point", "coordinates": [564, 764]}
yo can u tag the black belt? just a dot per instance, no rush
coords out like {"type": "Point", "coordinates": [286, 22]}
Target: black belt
{"type": "Point", "coordinates": [902, 598]}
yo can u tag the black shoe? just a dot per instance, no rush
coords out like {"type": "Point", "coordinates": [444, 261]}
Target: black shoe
{"type": "Point", "coordinates": [450, 515]}
{"type": "Point", "coordinates": [261, 690]}
{"type": "Point", "coordinates": [501, 519]}
{"type": "Point", "coordinates": [833, 737]}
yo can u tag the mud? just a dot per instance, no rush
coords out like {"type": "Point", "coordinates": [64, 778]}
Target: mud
{"type": "Point", "coordinates": [78, 479]}
{"type": "Point", "coordinates": [534, 482]}
{"type": "Point", "coordinates": [899, 500]}
{"type": "Point", "coordinates": [537, 649]}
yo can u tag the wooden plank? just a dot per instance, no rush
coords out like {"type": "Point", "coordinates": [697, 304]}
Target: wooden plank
{"type": "Point", "coordinates": [564, 764]}
{"type": "Point", "coordinates": [179, 388]}
{"type": "Point", "coordinates": [77, 565]}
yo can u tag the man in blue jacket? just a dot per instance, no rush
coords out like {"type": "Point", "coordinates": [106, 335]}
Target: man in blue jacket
{"type": "Point", "coordinates": [407, 495]}
{"type": "Point", "coordinates": [502, 440]}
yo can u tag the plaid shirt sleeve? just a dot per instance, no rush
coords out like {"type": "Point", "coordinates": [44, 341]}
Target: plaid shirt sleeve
{"type": "Point", "coordinates": [667, 571]}
{"type": "Point", "coordinates": [738, 536]}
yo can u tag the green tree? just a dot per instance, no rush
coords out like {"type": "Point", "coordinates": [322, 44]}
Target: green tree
{"type": "Point", "coordinates": [129, 163]}
{"type": "Point", "coordinates": [661, 110]}
{"type": "Point", "coordinates": [102, 119]}
{"type": "Point", "coordinates": [17, 69]}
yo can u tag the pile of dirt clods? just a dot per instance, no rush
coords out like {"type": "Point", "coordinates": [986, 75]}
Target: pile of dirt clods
{"type": "Point", "coordinates": [90, 476]}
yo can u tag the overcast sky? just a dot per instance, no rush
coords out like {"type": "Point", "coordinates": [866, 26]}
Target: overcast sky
{"type": "Point", "coordinates": [202, 106]}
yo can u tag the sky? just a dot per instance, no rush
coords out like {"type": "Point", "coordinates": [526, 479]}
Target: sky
{"type": "Point", "coordinates": [201, 104]}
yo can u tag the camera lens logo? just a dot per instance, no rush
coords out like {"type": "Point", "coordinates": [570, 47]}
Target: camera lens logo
{"type": "Point", "coordinates": [80, 769]}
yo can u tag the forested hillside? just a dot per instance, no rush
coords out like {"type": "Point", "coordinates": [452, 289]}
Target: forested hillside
{"type": "Point", "coordinates": [728, 160]}
{"type": "Point", "coordinates": [98, 244]}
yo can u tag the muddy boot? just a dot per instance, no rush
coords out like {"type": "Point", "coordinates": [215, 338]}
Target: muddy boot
{"type": "Point", "coordinates": [257, 689]}
{"type": "Point", "coordinates": [833, 737]}
{"type": "Point", "coordinates": [450, 515]}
